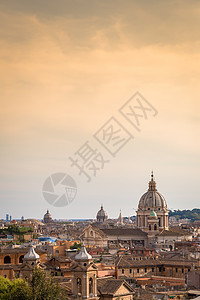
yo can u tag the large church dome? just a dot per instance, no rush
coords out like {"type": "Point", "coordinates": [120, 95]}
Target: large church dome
{"type": "Point", "coordinates": [152, 199]}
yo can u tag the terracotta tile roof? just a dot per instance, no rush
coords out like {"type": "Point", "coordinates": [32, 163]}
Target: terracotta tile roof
{"type": "Point", "coordinates": [112, 285]}
{"type": "Point", "coordinates": [126, 261]}
{"type": "Point", "coordinates": [124, 231]}
{"type": "Point", "coordinates": [174, 232]}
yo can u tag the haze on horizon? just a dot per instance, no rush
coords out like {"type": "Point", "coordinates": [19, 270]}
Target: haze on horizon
{"type": "Point", "coordinates": [66, 68]}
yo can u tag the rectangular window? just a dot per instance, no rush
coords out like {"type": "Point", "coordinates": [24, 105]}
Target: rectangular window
{"type": "Point", "coordinates": [153, 269]}
{"type": "Point", "coordinates": [130, 271]}
{"type": "Point", "coordinates": [138, 270]}
{"type": "Point", "coordinates": [182, 270]}
{"type": "Point", "coordinates": [122, 271]}
{"type": "Point", "coordinates": [160, 269]}
{"type": "Point", "coordinates": [163, 269]}
{"type": "Point", "coordinates": [176, 270]}
{"type": "Point", "coordinates": [145, 270]}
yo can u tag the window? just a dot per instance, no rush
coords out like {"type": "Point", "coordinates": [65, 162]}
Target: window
{"type": "Point", "coordinates": [182, 270]}
{"type": "Point", "coordinates": [57, 251]}
{"type": "Point", "coordinates": [138, 270]}
{"type": "Point", "coordinates": [176, 270]}
{"type": "Point", "coordinates": [7, 260]}
{"type": "Point", "coordinates": [21, 259]}
{"type": "Point", "coordinates": [160, 269]}
{"type": "Point", "coordinates": [145, 270]}
{"type": "Point", "coordinates": [155, 227]}
{"type": "Point", "coordinates": [91, 233]}
{"type": "Point", "coordinates": [130, 271]}
{"type": "Point", "coordinates": [90, 286]}
{"type": "Point", "coordinates": [163, 269]}
{"type": "Point", "coordinates": [78, 285]}
{"type": "Point", "coordinates": [149, 227]}
{"type": "Point", "coordinates": [153, 269]}
{"type": "Point", "coordinates": [122, 271]}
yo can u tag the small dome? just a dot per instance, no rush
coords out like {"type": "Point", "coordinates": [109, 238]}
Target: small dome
{"type": "Point", "coordinates": [83, 255]}
{"type": "Point", "coordinates": [102, 215]}
{"type": "Point", "coordinates": [153, 214]}
{"type": "Point", "coordinates": [47, 217]}
{"type": "Point", "coordinates": [31, 254]}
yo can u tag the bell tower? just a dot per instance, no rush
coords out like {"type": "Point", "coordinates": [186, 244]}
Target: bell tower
{"type": "Point", "coordinates": [84, 276]}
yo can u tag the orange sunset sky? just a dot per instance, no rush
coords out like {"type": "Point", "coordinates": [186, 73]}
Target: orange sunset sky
{"type": "Point", "coordinates": [66, 67]}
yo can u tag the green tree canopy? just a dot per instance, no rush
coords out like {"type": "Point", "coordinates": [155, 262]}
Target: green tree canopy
{"type": "Point", "coordinates": [41, 287]}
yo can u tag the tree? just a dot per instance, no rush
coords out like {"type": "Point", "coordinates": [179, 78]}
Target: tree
{"type": "Point", "coordinates": [76, 246]}
{"type": "Point", "coordinates": [17, 289]}
{"type": "Point", "coordinates": [5, 286]}
{"type": "Point", "coordinates": [44, 288]}
{"type": "Point", "coordinates": [40, 288]}
{"type": "Point", "coordinates": [20, 290]}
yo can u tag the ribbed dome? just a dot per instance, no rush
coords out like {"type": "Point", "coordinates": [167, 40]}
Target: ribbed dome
{"type": "Point", "coordinates": [152, 199]}
{"type": "Point", "coordinates": [83, 254]}
{"type": "Point", "coordinates": [31, 254]}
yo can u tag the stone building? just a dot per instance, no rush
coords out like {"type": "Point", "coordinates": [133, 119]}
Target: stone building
{"type": "Point", "coordinates": [14, 260]}
{"type": "Point", "coordinates": [86, 285]}
{"type": "Point", "coordinates": [47, 218]}
{"type": "Point", "coordinates": [102, 215]}
{"type": "Point", "coordinates": [152, 213]}
{"type": "Point", "coordinates": [129, 266]}
{"type": "Point", "coordinates": [84, 273]}
{"type": "Point", "coordinates": [30, 261]}
{"type": "Point", "coordinates": [114, 289]}
{"type": "Point", "coordinates": [125, 237]}
{"type": "Point", "coordinates": [113, 237]}
{"type": "Point", "coordinates": [93, 236]}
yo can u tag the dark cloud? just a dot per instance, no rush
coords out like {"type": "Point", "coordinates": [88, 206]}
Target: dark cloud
{"type": "Point", "coordinates": [140, 23]}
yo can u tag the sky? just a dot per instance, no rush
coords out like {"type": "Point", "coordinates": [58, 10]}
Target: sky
{"type": "Point", "coordinates": [66, 68]}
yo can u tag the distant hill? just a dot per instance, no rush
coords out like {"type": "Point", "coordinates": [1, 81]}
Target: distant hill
{"type": "Point", "coordinates": [193, 214]}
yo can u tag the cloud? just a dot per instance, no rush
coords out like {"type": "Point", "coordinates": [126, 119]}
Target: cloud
{"type": "Point", "coordinates": [67, 66]}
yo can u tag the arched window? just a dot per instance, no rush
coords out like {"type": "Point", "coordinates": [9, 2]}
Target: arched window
{"type": "Point", "coordinates": [21, 259]}
{"type": "Point", "coordinates": [7, 260]}
{"type": "Point", "coordinates": [90, 286]}
{"type": "Point", "coordinates": [79, 285]}
{"type": "Point", "coordinates": [155, 227]}
{"type": "Point", "coordinates": [149, 227]}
